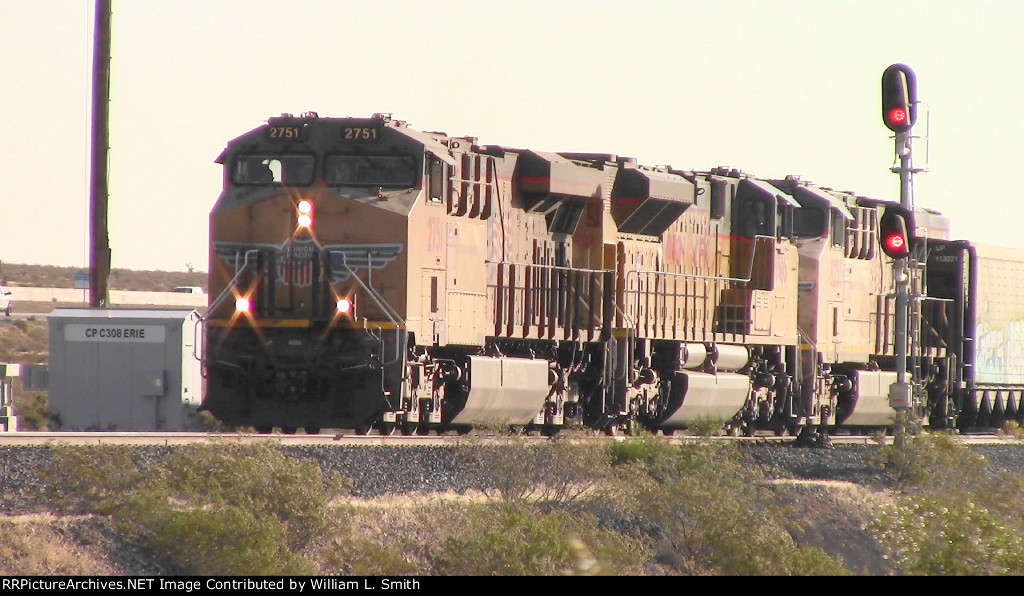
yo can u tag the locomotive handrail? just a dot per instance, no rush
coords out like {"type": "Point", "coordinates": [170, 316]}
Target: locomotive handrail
{"type": "Point", "coordinates": [579, 297]}
{"type": "Point", "coordinates": [388, 310]}
{"type": "Point", "coordinates": [221, 297]}
{"type": "Point", "coordinates": [561, 267]}
{"type": "Point", "coordinates": [637, 291]}
{"type": "Point", "coordinates": [227, 287]}
{"type": "Point", "coordinates": [747, 279]}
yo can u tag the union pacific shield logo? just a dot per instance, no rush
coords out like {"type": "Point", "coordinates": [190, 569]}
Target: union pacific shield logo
{"type": "Point", "coordinates": [295, 263]}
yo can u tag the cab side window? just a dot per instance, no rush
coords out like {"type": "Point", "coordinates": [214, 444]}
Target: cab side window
{"type": "Point", "coordinates": [438, 180]}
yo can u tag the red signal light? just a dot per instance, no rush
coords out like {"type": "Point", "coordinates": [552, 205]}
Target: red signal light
{"type": "Point", "coordinates": [895, 242]}
{"type": "Point", "coordinates": [897, 116]}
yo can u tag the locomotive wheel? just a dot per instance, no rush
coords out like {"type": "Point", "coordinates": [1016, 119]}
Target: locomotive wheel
{"type": "Point", "coordinates": [409, 428]}
{"type": "Point", "coordinates": [782, 428]}
{"type": "Point", "coordinates": [288, 430]}
{"type": "Point", "coordinates": [550, 430]}
{"type": "Point", "coordinates": [264, 430]}
{"type": "Point", "coordinates": [312, 430]}
{"type": "Point", "coordinates": [388, 428]}
{"type": "Point", "coordinates": [362, 429]}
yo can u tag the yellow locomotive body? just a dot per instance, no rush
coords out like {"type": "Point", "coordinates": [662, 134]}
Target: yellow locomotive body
{"type": "Point", "coordinates": [364, 274]}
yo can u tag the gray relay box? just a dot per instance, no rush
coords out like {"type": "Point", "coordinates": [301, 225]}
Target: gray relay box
{"type": "Point", "coordinates": [125, 369]}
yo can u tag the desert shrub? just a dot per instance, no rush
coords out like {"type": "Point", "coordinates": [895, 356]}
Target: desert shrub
{"type": "Point", "coordinates": [638, 449]}
{"type": "Point", "coordinates": [711, 514]}
{"type": "Point", "coordinates": [91, 479]}
{"type": "Point", "coordinates": [1003, 494]}
{"type": "Point", "coordinates": [1012, 429]}
{"type": "Point", "coordinates": [32, 409]}
{"type": "Point", "coordinates": [555, 471]}
{"type": "Point", "coordinates": [226, 539]}
{"type": "Point", "coordinates": [955, 516]}
{"type": "Point", "coordinates": [930, 536]}
{"type": "Point", "coordinates": [517, 539]}
{"type": "Point", "coordinates": [358, 555]}
{"type": "Point", "coordinates": [24, 341]}
{"type": "Point", "coordinates": [214, 509]}
{"type": "Point", "coordinates": [707, 425]}
{"type": "Point", "coordinates": [929, 461]}
{"type": "Point", "coordinates": [41, 548]}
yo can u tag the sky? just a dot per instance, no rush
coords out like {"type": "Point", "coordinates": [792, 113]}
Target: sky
{"type": "Point", "coordinates": [772, 87]}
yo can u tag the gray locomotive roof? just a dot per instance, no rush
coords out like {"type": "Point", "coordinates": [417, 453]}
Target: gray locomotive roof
{"type": "Point", "coordinates": [429, 142]}
{"type": "Point", "coordinates": [771, 190]}
{"type": "Point", "coordinates": [812, 194]}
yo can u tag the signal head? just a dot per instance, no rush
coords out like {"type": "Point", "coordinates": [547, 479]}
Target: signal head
{"type": "Point", "coordinates": [899, 98]}
{"type": "Point", "coordinates": [893, 232]}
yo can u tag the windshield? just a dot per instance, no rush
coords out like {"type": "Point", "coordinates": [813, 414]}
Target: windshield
{"type": "Point", "coordinates": [371, 170]}
{"type": "Point", "coordinates": [293, 170]}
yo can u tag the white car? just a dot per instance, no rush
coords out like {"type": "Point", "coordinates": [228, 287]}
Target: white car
{"type": "Point", "coordinates": [189, 290]}
{"type": "Point", "coordinates": [5, 301]}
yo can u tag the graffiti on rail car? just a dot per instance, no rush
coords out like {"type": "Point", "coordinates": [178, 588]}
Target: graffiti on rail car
{"type": "Point", "coordinates": [1000, 355]}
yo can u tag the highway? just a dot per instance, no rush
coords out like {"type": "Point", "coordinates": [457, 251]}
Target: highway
{"type": "Point", "coordinates": [42, 300]}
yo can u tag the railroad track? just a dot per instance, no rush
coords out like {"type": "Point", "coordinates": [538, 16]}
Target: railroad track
{"type": "Point", "coordinates": [342, 439]}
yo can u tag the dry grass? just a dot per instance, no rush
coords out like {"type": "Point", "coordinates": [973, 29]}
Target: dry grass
{"type": "Point", "coordinates": [392, 534]}
{"type": "Point", "coordinates": [25, 341]}
{"type": "Point", "coordinates": [833, 516]}
{"type": "Point", "coordinates": [48, 545]}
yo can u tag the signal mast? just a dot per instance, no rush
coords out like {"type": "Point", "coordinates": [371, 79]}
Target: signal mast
{"type": "Point", "coordinates": [896, 227]}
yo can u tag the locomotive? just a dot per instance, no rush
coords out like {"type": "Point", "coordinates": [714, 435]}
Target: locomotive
{"type": "Point", "coordinates": [366, 275]}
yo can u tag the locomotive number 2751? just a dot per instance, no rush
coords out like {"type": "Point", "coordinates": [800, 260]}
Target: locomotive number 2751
{"type": "Point", "coordinates": [360, 133]}
{"type": "Point", "coordinates": [283, 133]}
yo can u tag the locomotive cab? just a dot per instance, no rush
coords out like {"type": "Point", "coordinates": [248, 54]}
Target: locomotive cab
{"type": "Point", "coordinates": [294, 267]}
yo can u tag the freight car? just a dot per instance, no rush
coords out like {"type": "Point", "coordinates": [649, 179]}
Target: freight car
{"type": "Point", "coordinates": [364, 274]}
{"type": "Point", "coordinates": [981, 291]}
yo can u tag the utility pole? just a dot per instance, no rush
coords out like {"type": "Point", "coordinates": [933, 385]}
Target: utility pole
{"type": "Point", "coordinates": [99, 242]}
